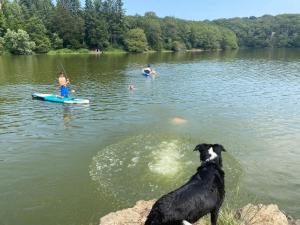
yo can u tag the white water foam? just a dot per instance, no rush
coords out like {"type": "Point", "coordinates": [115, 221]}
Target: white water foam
{"type": "Point", "coordinates": [145, 163]}
{"type": "Point", "coordinates": [166, 159]}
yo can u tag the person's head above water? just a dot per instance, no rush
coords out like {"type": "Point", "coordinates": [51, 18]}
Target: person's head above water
{"type": "Point", "coordinates": [149, 65]}
{"type": "Point", "coordinates": [61, 74]}
{"type": "Point", "coordinates": [131, 87]}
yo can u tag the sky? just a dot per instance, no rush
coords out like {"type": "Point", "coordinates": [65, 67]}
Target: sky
{"type": "Point", "coordinates": [211, 9]}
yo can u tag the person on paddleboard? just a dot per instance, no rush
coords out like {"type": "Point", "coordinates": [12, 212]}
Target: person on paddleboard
{"type": "Point", "coordinates": [63, 83]}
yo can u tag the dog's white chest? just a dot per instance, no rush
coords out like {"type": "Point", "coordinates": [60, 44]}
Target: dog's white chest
{"type": "Point", "coordinates": [212, 154]}
{"type": "Point", "coordinates": [184, 222]}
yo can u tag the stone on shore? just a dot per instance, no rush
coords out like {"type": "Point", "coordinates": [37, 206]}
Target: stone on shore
{"type": "Point", "coordinates": [135, 216]}
{"type": "Point", "coordinates": [263, 215]}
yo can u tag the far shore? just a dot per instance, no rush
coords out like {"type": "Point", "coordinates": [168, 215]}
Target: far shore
{"type": "Point", "coordinates": [111, 51]}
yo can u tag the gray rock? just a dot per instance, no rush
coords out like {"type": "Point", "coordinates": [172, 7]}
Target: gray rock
{"type": "Point", "coordinates": [261, 215]}
{"type": "Point", "coordinates": [135, 216]}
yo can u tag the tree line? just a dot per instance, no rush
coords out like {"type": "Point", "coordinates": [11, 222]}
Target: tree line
{"type": "Point", "coordinates": [282, 31]}
{"type": "Point", "coordinates": [28, 26]}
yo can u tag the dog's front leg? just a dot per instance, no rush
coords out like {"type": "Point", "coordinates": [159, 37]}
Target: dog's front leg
{"type": "Point", "coordinates": [214, 216]}
{"type": "Point", "coordinates": [184, 222]}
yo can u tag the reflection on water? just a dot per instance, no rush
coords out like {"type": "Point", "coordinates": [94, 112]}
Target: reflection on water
{"type": "Point", "coordinates": [66, 115]}
{"type": "Point", "coordinates": [85, 161]}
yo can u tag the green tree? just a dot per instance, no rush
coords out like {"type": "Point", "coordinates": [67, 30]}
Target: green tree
{"type": "Point", "coordinates": [229, 40]}
{"type": "Point", "coordinates": [41, 8]}
{"type": "Point", "coordinates": [18, 42]}
{"type": "Point", "coordinates": [14, 16]}
{"type": "Point", "coordinates": [69, 25]}
{"type": "Point", "coordinates": [72, 6]}
{"type": "Point", "coordinates": [56, 41]}
{"type": "Point", "coordinates": [114, 16]}
{"type": "Point", "coordinates": [38, 33]}
{"type": "Point", "coordinates": [1, 45]}
{"type": "Point", "coordinates": [152, 28]}
{"type": "Point", "coordinates": [96, 33]}
{"type": "Point", "coordinates": [170, 31]}
{"type": "Point", "coordinates": [2, 24]}
{"type": "Point", "coordinates": [118, 23]}
{"type": "Point", "coordinates": [178, 46]}
{"type": "Point", "coordinates": [184, 29]}
{"type": "Point", "coordinates": [89, 20]}
{"type": "Point", "coordinates": [135, 40]}
{"type": "Point", "coordinates": [265, 31]}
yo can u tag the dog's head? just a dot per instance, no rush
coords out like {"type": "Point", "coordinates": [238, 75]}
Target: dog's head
{"type": "Point", "coordinates": [210, 152]}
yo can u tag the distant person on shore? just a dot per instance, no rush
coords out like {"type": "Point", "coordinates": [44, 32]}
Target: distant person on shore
{"type": "Point", "coordinates": [63, 83]}
{"type": "Point", "coordinates": [98, 51]}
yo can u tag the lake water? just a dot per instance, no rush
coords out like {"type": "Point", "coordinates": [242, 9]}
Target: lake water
{"type": "Point", "coordinates": [72, 164]}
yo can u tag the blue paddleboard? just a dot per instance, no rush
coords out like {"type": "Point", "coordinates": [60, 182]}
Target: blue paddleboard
{"type": "Point", "coordinates": [54, 98]}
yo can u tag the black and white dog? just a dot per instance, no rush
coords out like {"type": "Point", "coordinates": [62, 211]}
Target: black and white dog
{"type": "Point", "coordinates": [202, 194]}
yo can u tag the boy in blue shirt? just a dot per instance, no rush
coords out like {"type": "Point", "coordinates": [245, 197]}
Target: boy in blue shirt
{"type": "Point", "coordinates": [63, 82]}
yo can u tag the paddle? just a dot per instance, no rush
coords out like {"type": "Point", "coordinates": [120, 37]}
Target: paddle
{"type": "Point", "coordinates": [64, 72]}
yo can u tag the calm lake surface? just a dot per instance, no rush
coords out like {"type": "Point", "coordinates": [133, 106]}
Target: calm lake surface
{"type": "Point", "coordinates": [72, 164]}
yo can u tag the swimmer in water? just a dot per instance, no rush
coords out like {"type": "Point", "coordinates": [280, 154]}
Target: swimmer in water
{"type": "Point", "coordinates": [131, 87]}
{"type": "Point", "coordinates": [178, 120]}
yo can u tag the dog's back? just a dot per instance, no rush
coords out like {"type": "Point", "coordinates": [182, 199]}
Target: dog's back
{"type": "Point", "coordinates": [202, 194]}
{"type": "Point", "coordinates": [199, 196]}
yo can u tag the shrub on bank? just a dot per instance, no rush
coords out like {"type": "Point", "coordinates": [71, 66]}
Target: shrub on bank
{"type": "Point", "coordinates": [18, 43]}
{"type": "Point", "coordinates": [135, 40]}
{"type": "Point", "coordinates": [178, 46]}
{"type": "Point", "coordinates": [112, 50]}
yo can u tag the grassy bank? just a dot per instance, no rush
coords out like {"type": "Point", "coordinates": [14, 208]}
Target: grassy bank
{"type": "Point", "coordinates": [65, 51]}
{"type": "Point", "coordinates": [226, 217]}
{"type": "Point", "coordinates": [114, 51]}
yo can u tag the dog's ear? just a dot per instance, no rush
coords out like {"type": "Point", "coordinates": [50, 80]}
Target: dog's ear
{"type": "Point", "coordinates": [202, 147]}
{"type": "Point", "coordinates": [220, 147]}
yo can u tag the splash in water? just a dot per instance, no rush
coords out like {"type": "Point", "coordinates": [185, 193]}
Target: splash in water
{"type": "Point", "coordinates": [145, 164]}
{"type": "Point", "coordinates": [167, 158]}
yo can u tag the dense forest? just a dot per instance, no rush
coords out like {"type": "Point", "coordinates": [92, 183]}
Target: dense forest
{"type": "Point", "coordinates": [282, 31]}
{"type": "Point", "coordinates": [38, 26]}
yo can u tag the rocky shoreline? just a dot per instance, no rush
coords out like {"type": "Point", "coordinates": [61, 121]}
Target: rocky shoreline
{"type": "Point", "coordinates": [249, 215]}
